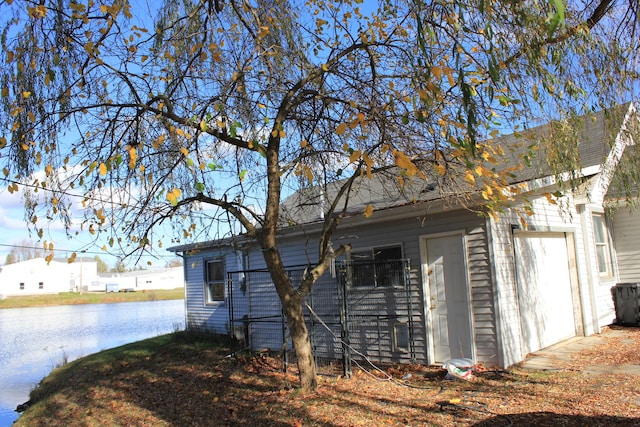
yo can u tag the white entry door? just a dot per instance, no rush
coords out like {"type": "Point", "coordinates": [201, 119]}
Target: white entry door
{"type": "Point", "coordinates": [544, 289]}
{"type": "Point", "coordinates": [448, 302]}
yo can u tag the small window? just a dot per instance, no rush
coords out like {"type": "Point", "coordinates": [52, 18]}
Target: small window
{"type": "Point", "coordinates": [378, 267]}
{"type": "Point", "coordinates": [214, 272]}
{"type": "Point", "coordinates": [22, 286]}
{"type": "Point", "coordinates": [40, 285]}
{"type": "Point", "coordinates": [603, 252]}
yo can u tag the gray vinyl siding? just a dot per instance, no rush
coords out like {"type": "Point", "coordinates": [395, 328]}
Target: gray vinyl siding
{"type": "Point", "coordinates": [215, 316]}
{"type": "Point", "coordinates": [406, 231]}
{"type": "Point", "coordinates": [626, 238]}
{"type": "Point", "coordinates": [482, 296]}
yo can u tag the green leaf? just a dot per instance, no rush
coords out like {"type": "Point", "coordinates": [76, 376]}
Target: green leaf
{"type": "Point", "coordinates": [557, 19]}
{"type": "Point", "coordinates": [242, 175]}
{"type": "Point", "coordinates": [199, 187]}
{"type": "Point", "coordinates": [233, 130]}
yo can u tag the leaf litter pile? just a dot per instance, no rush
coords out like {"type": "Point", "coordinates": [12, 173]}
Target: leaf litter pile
{"type": "Point", "coordinates": [181, 381]}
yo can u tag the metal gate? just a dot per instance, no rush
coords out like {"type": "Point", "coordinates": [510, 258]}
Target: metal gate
{"type": "Point", "coordinates": [359, 311]}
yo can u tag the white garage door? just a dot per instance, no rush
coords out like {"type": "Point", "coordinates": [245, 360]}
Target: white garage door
{"type": "Point", "coordinates": [544, 289]}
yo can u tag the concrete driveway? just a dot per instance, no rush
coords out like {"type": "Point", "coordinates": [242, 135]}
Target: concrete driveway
{"type": "Point", "coordinates": [555, 358]}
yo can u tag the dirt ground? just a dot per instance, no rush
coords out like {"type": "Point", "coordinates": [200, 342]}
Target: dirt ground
{"type": "Point", "coordinates": [179, 384]}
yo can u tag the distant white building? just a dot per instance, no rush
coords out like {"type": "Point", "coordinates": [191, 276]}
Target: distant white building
{"type": "Point", "coordinates": [142, 280]}
{"type": "Point", "coordinates": [37, 277]}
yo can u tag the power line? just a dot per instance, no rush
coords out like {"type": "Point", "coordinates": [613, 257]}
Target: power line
{"type": "Point", "coordinates": [82, 251]}
{"type": "Point", "coordinates": [63, 192]}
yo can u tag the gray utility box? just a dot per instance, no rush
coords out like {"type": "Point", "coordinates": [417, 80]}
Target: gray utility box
{"type": "Point", "coordinates": [628, 303]}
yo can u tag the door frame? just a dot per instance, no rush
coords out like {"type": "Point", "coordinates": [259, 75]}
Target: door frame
{"type": "Point", "coordinates": [426, 290]}
{"type": "Point", "coordinates": [574, 280]}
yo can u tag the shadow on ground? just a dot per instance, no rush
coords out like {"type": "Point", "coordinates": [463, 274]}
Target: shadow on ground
{"type": "Point", "coordinates": [544, 419]}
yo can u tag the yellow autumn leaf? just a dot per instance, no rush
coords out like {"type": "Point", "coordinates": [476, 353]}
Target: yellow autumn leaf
{"type": "Point", "coordinates": [469, 178]}
{"type": "Point", "coordinates": [133, 156]}
{"type": "Point", "coordinates": [184, 151]}
{"type": "Point", "coordinates": [368, 211]}
{"type": "Point", "coordinates": [173, 195]}
{"type": "Point", "coordinates": [264, 31]}
{"type": "Point", "coordinates": [404, 162]}
{"type": "Point", "coordinates": [441, 169]}
{"type": "Point", "coordinates": [341, 129]}
{"type": "Point", "coordinates": [72, 258]}
{"type": "Point", "coordinates": [48, 258]}
{"type": "Point", "coordinates": [103, 169]}
{"type": "Point", "coordinates": [355, 156]}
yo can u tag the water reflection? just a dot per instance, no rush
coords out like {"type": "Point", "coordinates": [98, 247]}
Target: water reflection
{"type": "Point", "coordinates": [35, 340]}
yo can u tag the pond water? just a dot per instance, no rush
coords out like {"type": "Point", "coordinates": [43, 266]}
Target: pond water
{"type": "Point", "coordinates": [35, 340]}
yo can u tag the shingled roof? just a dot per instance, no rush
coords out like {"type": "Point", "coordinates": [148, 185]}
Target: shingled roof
{"type": "Point", "coordinates": [585, 141]}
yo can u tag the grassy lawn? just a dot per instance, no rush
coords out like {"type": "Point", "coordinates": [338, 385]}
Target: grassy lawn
{"type": "Point", "coordinates": [183, 379]}
{"type": "Point", "coordinates": [90, 298]}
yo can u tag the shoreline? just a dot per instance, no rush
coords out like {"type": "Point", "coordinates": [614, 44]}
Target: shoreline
{"type": "Point", "coordinates": [75, 298]}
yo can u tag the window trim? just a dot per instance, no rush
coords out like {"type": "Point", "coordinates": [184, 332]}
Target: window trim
{"type": "Point", "coordinates": [209, 298]}
{"type": "Point", "coordinates": [604, 245]}
{"type": "Point", "coordinates": [371, 256]}
{"type": "Point", "coordinates": [400, 331]}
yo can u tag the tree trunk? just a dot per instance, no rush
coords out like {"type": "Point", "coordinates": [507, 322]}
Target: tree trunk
{"type": "Point", "coordinates": [301, 344]}
{"type": "Point", "coordinates": [292, 305]}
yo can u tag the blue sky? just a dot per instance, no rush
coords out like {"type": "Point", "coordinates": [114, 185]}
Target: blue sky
{"type": "Point", "coordinates": [14, 231]}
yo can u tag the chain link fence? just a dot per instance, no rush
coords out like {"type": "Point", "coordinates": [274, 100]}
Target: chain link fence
{"type": "Point", "coordinates": [358, 312]}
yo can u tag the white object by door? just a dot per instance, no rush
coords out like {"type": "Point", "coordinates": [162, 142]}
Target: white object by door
{"type": "Point", "coordinates": [448, 298]}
